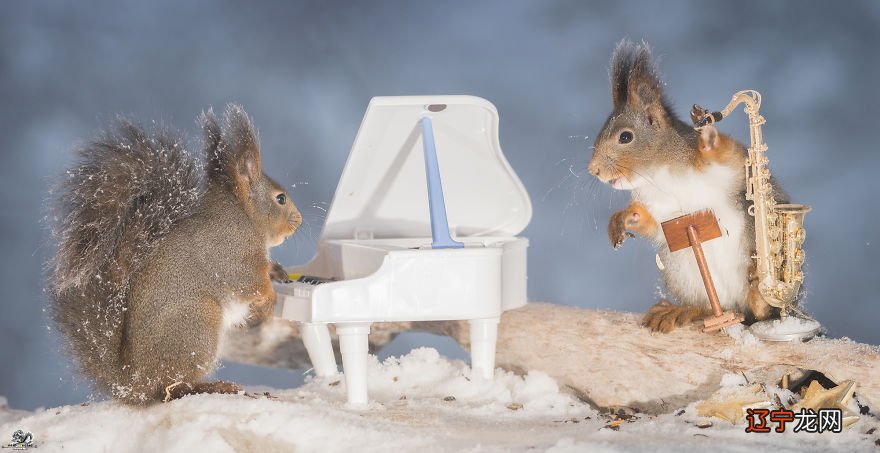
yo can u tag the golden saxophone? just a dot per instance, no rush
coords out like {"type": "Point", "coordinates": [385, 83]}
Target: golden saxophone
{"type": "Point", "coordinates": [779, 230]}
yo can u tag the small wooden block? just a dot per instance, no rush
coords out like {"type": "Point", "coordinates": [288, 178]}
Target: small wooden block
{"type": "Point", "coordinates": [719, 322]}
{"type": "Point", "coordinates": [675, 230]}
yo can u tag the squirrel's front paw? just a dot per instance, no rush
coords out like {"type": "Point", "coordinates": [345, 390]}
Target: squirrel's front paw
{"type": "Point", "coordinates": [617, 226]}
{"type": "Point", "coordinates": [277, 273]}
{"type": "Point", "coordinates": [261, 311]}
{"type": "Point", "coordinates": [635, 218]}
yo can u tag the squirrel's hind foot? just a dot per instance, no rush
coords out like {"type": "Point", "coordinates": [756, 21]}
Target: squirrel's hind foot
{"type": "Point", "coordinates": [180, 389]}
{"type": "Point", "coordinates": [665, 317]}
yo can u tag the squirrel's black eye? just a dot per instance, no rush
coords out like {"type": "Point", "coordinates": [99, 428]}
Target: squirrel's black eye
{"type": "Point", "coordinates": [625, 137]}
{"type": "Point", "coordinates": [281, 198]}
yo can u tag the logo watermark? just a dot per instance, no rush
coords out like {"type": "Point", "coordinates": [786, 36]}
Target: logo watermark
{"type": "Point", "coordinates": [21, 440]}
{"type": "Point", "coordinates": [807, 420]}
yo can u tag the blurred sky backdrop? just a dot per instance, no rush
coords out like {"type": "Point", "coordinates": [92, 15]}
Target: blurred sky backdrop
{"type": "Point", "coordinates": [305, 72]}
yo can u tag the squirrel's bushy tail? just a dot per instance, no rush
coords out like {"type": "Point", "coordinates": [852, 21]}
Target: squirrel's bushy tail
{"type": "Point", "coordinates": [125, 192]}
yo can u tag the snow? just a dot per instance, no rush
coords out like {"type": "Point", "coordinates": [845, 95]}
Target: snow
{"type": "Point", "coordinates": [789, 325]}
{"type": "Point", "coordinates": [420, 401]}
{"type": "Point", "coordinates": [7, 415]}
{"type": "Point", "coordinates": [741, 335]}
{"type": "Point", "coordinates": [733, 380]}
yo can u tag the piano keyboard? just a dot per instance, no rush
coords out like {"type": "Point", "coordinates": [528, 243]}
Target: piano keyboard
{"type": "Point", "coordinates": [303, 284]}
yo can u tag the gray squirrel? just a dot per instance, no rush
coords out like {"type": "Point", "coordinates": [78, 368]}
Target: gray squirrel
{"type": "Point", "coordinates": [673, 169]}
{"type": "Point", "coordinates": [161, 251]}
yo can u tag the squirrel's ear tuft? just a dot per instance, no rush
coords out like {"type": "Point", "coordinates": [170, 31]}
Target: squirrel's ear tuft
{"type": "Point", "coordinates": [233, 151]}
{"type": "Point", "coordinates": [212, 137]}
{"type": "Point", "coordinates": [621, 65]}
{"type": "Point", "coordinates": [635, 81]}
{"type": "Point", "coordinates": [244, 148]}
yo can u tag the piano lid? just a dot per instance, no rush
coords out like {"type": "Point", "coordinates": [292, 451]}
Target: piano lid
{"type": "Point", "coordinates": [383, 190]}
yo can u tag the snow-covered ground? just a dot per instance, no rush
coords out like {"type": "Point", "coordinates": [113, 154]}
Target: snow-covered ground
{"type": "Point", "coordinates": [421, 401]}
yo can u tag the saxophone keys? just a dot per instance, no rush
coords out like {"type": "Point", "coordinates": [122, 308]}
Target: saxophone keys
{"type": "Point", "coordinates": [777, 259]}
{"type": "Point", "coordinates": [799, 257]}
{"type": "Point", "coordinates": [800, 235]}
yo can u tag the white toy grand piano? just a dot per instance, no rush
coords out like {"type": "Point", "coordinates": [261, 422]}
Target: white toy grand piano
{"type": "Point", "coordinates": [398, 245]}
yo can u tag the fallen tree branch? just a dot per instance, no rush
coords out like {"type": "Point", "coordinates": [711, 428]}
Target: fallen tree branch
{"type": "Point", "coordinates": [604, 357]}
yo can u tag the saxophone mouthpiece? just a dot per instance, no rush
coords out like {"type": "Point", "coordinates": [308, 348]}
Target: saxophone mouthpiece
{"type": "Point", "coordinates": [703, 117]}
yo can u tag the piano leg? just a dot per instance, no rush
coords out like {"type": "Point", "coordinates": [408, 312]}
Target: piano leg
{"type": "Point", "coordinates": [316, 338]}
{"type": "Point", "coordinates": [354, 347]}
{"type": "Point", "coordinates": [484, 334]}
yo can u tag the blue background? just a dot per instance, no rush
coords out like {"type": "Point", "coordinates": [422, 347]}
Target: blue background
{"type": "Point", "coordinates": [306, 71]}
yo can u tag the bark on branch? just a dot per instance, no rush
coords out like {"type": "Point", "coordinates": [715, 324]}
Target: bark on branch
{"type": "Point", "coordinates": [605, 357]}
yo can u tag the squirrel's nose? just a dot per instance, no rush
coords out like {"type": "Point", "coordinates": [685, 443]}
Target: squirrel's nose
{"type": "Point", "coordinates": [594, 168]}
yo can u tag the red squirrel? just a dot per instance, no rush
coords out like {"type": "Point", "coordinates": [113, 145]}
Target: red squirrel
{"type": "Point", "coordinates": [160, 251]}
{"type": "Point", "coordinates": [673, 169]}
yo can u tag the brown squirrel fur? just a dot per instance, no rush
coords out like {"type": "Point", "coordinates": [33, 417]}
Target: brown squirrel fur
{"type": "Point", "coordinates": [160, 252]}
{"type": "Point", "coordinates": [673, 169]}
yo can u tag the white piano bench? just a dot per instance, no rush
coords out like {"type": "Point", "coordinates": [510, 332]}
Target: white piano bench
{"type": "Point", "coordinates": [354, 346]}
